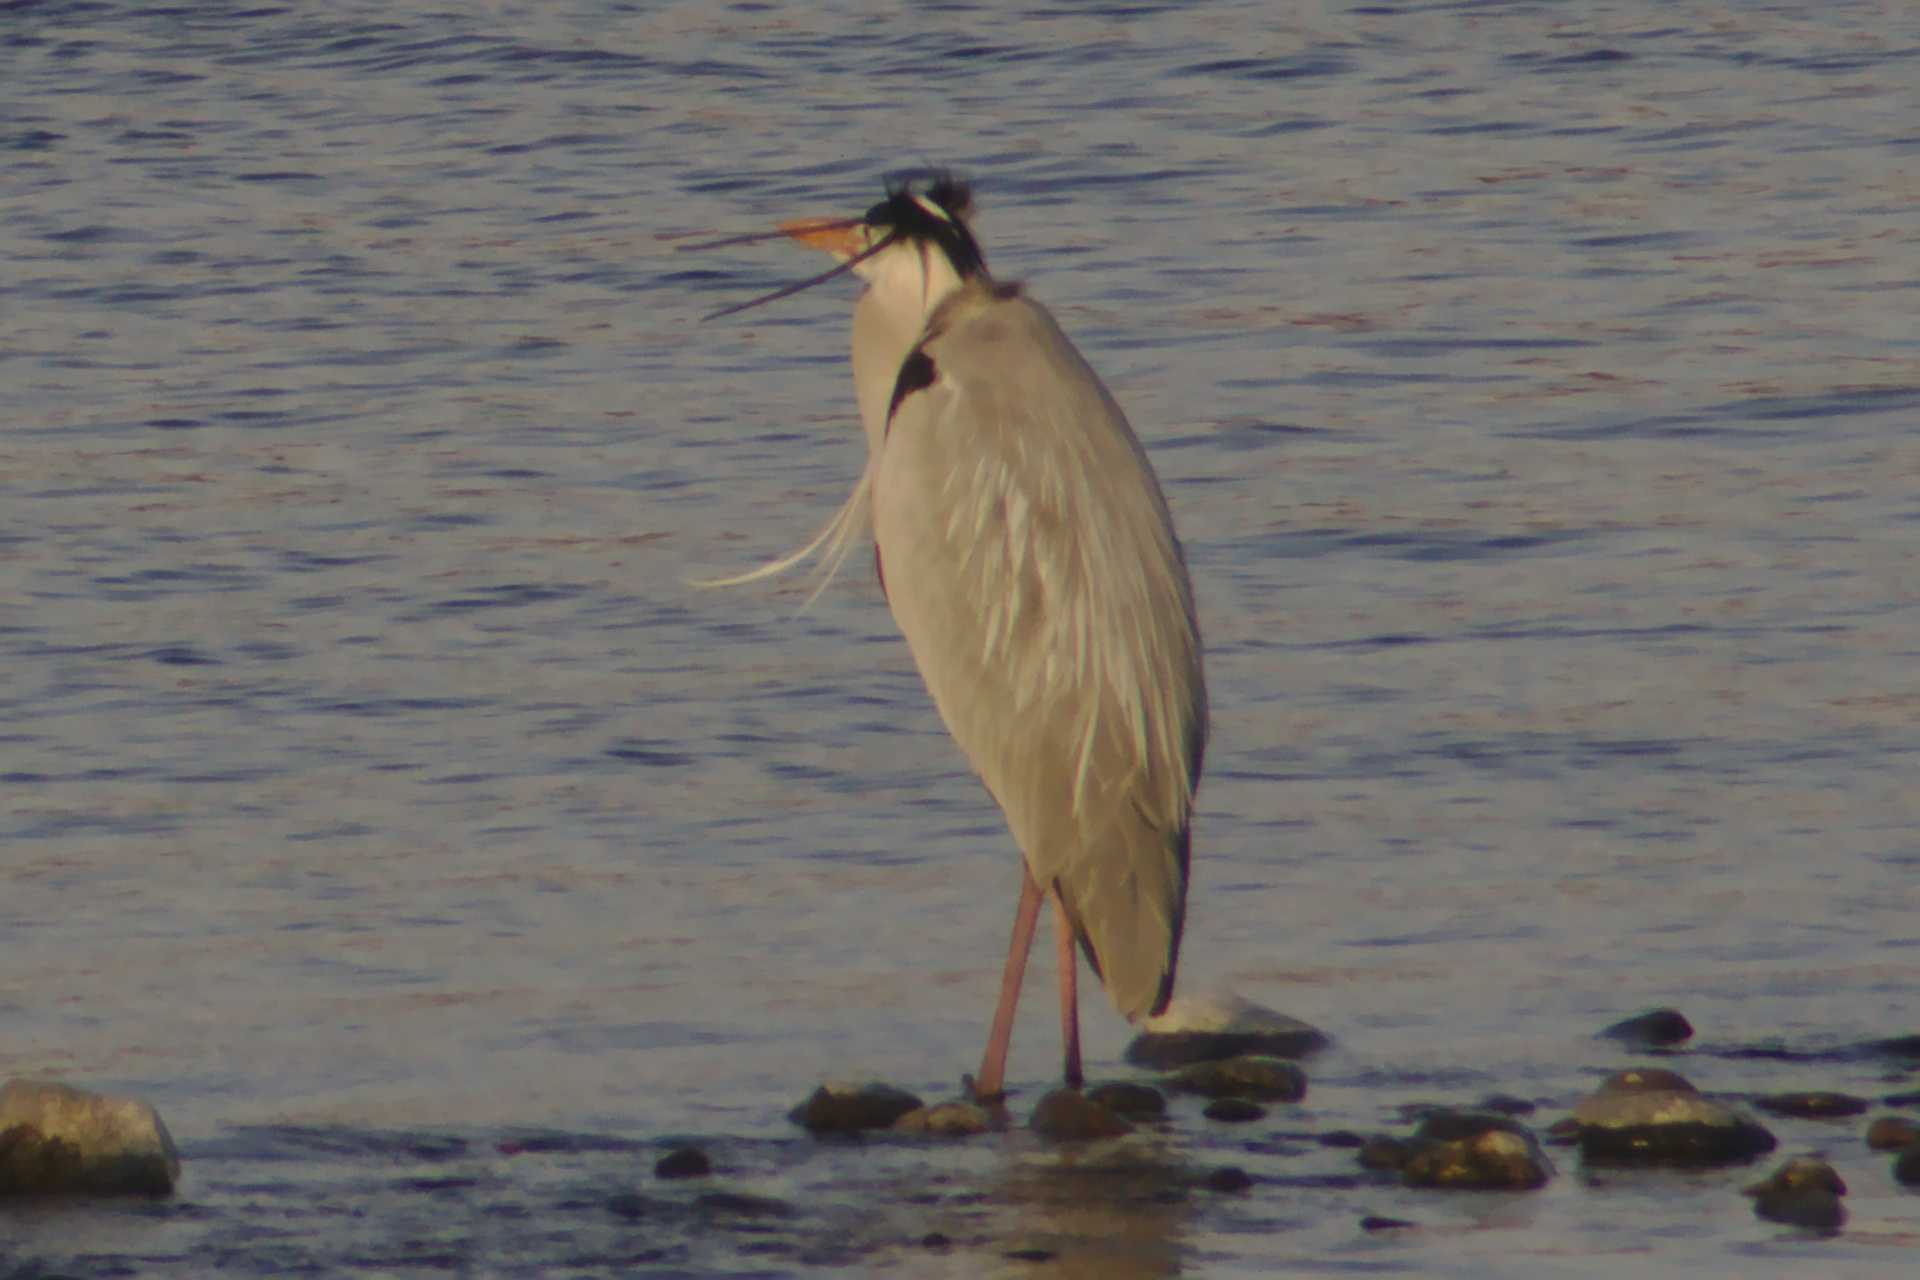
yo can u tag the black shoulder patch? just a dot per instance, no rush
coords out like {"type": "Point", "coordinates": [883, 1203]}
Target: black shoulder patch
{"type": "Point", "coordinates": [916, 374]}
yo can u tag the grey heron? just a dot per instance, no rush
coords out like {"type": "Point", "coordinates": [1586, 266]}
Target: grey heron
{"type": "Point", "coordinates": [1027, 553]}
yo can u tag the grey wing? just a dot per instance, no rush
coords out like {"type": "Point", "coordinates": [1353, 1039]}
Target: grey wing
{"type": "Point", "coordinates": [1031, 563]}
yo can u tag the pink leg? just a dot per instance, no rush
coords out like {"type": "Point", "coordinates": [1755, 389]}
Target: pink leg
{"type": "Point", "coordinates": [991, 1082]}
{"type": "Point", "coordinates": [1069, 963]}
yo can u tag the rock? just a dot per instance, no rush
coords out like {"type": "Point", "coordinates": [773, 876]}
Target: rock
{"type": "Point", "coordinates": [1813, 1105]}
{"type": "Point", "coordinates": [1897, 1046]}
{"type": "Point", "coordinates": [1892, 1133]}
{"type": "Point", "coordinates": [56, 1139]}
{"type": "Point", "coordinates": [1658, 1117]}
{"type": "Point", "coordinates": [1451, 1124]}
{"type": "Point", "coordinates": [1228, 1178]}
{"type": "Point", "coordinates": [1654, 1029]}
{"type": "Point", "coordinates": [1135, 1101]}
{"type": "Point", "coordinates": [739, 1204]}
{"type": "Point", "coordinates": [1248, 1076]}
{"type": "Point", "coordinates": [1906, 1166]}
{"type": "Point", "coordinates": [1384, 1154]}
{"type": "Point", "coordinates": [1066, 1115]}
{"type": "Point", "coordinates": [683, 1162]}
{"type": "Point", "coordinates": [850, 1108]}
{"type": "Point", "coordinates": [1234, 1111]}
{"type": "Point", "coordinates": [1374, 1222]}
{"type": "Point", "coordinates": [946, 1120]}
{"type": "Point", "coordinates": [1474, 1151]}
{"type": "Point", "coordinates": [1801, 1173]}
{"type": "Point", "coordinates": [1803, 1192]}
{"type": "Point", "coordinates": [1208, 1029]}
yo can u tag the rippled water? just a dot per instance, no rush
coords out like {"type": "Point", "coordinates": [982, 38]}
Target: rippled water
{"type": "Point", "coordinates": [1536, 387]}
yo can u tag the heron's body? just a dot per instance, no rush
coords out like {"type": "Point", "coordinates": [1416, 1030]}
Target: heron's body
{"type": "Point", "coordinates": [1030, 562]}
{"type": "Point", "coordinates": [1028, 556]}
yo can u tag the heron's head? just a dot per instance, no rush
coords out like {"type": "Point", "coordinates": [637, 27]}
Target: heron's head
{"type": "Point", "coordinates": [914, 247]}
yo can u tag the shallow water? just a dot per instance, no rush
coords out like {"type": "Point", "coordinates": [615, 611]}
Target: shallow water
{"type": "Point", "coordinates": [1536, 390]}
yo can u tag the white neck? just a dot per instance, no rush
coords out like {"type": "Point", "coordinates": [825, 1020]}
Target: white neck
{"type": "Point", "coordinates": [905, 283]}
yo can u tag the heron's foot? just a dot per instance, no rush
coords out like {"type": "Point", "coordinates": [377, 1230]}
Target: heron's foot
{"type": "Point", "coordinates": [971, 1091]}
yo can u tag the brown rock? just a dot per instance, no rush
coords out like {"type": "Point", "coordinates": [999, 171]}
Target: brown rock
{"type": "Point", "coordinates": [58, 1139]}
{"type": "Point", "coordinates": [1658, 1117]}
{"type": "Point", "coordinates": [946, 1120]}
{"type": "Point", "coordinates": [1250, 1076]}
{"type": "Point", "coordinates": [1066, 1115]}
{"type": "Point", "coordinates": [1892, 1133]}
{"type": "Point", "coordinates": [851, 1108]}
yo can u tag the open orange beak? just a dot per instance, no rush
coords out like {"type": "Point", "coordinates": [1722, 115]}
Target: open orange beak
{"type": "Point", "coordinates": [829, 235]}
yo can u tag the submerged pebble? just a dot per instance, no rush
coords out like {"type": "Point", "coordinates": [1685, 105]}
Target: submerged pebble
{"type": "Point", "coordinates": [1234, 1111]}
{"type": "Point", "coordinates": [55, 1139]}
{"type": "Point", "coordinates": [1650, 1116]}
{"type": "Point", "coordinates": [1654, 1029]}
{"type": "Point", "coordinates": [1228, 1178]}
{"type": "Point", "coordinates": [1207, 1029]}
{"type": "Point", "coordinates": [851, 1108]}
{"type": "Point", "coordinates": [1906, 1166]}
{"type": "Point", "coordinates": [683, 1162]}
{"type": "Point", "coordinates": [1813, 1105]}
{"type": "Point", "coordinates": [1248, 1076]}
{"type": "Point", "coordinates": [1803, 1192]}
{"type": "Point", "coordinates": [1067, 1115]}
{"type": "Point", "coordinates": [1892, 1133]}
{"type": "Point", "coordinates": [1135, 1101]}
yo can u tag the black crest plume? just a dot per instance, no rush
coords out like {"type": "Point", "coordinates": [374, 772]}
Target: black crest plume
{"type": "Point", "coordinates": [905, 215]}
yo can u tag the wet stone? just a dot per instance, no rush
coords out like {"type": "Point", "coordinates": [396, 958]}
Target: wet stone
{"type": "Point", "coordinates": [1385, 1154]}
{"type": "Point", "coordinates": [851, 1108]}
{"type": "Point", "coordinates": [1228, 1178]}
{"type": "Point", "coordinates": [1207, 1030]}
{"type": "Point", "coordinates": [1906, 1167]}
{"type": "Point", "coordinates": [683, 1162]}
{"type": "Point", "coordinates": [55, 1139]}
{"type": "Point", "coordinates": [1234, 1111]}
{"type": "Point", "coordinates": [739, 1204]}
{"type": "Point", "coordinates": [1249, 1076]}
{"type": "Point", "coordinates": [1474, 1151]}
{"type": "Point", "coordinates": [1803, 1192]}
{"type": "Point", "coordinates": [1654, 1029]}
{"type": "Point", "coordinates": [1658, 1117]}
{"type": "Point", "coordinates": [1813, 1105]}
{"type": "Point", "coordinates": [1451, 1124]}
{"type": "Point", "coordinates": [1135, 1101]}
{"type": "Point", "coordinates": [1066, 1115]}
{"type": "Point", "coordinates": [1892, 1133]}
{"type": "Point", "coordinates": [947, 1120]}
{"type": "Point", "coordinates": [1897, 1046]}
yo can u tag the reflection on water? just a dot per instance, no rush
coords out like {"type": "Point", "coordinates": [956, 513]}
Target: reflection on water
{"type": "Point", "coordinates": [1118, 1210]}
